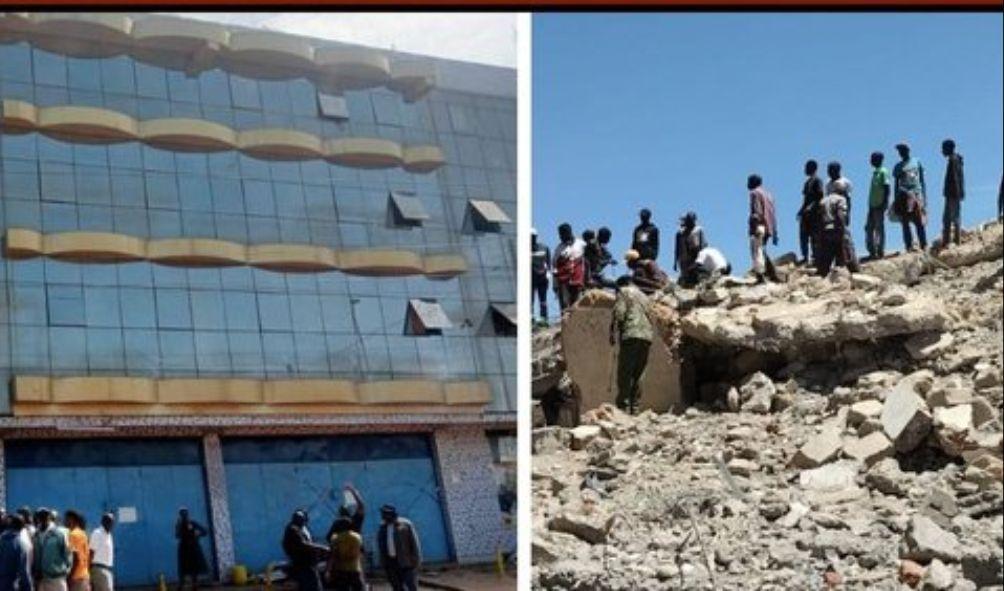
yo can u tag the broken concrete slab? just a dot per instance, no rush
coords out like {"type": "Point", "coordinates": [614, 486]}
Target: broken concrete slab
{"type": "Point", "coordinates": [757, 393]}
{"type": "Point", "coordinates": [818, 450]}
{"type": "Point", "coordinates": [582, 435]}
{"type": "Point", "coordinates": [924, 541]}
{"type": "Point", "coordinates": [983, 412]}
{"type": "Point", "coordinates": [869, 449]}
{"type": "Point", "coordinates": [952, 425]}
{"type": "Point", "coordinates": [831, 477]}
{"type": "Point", "coordinates": [860, 412]}
{"type": "Point", "coordinates": [591, 528]}
{"type": "Point", "coordinates": [905, 418]}
{"type": "Point", "coordinates": [927, 345]}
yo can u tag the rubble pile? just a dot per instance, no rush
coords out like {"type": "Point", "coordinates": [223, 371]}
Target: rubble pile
{"type": "Point", "coordinates": [847, 435]}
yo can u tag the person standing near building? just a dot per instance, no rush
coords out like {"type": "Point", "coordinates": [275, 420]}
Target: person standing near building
{"type": "Point", "coordinates": [80, 570]}
{"type": "Point", "coordinates": [909, 196]}
{"type": "Point", "coordinates": [103, 555]}
{"type": "Point", "coordinates": [52, 556]}
{"type": "Point", "coordinates": [632, 330]}
{"type": "Point", "coordinates": [569, 267]}
{"type": "Point", "coordinates": [191, 561]}
{"type": "Point", "coordinates": [645, 238]}
{"type": "Point", "coordinates": [808, 216]}
{"type": "Point", "coordinates": [954, 192]}
{"type": "Point", "coordinates": [345, 569]}
{"type": "Point", "coordinates": [15, 556]}
{"type": "Point", "coordinates": [540, 273]}
{"type": "Point", "coordinates": [762, 227]}
{"type": "Point", "coordinates": [689, 241]}
{"type": "Point", "coordinates": [400, 550]}
{"type": "Point", "coordinates": [878, 201]}
{"type": "Point", "coordinates": [28, 531]}
{"type": "Point", "coordinates": [302, 552]}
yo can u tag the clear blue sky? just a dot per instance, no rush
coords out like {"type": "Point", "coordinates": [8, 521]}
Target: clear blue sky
{"type": "Point", "coordinates": [672, 112]}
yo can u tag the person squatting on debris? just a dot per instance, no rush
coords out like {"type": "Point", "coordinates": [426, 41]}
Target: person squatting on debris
{"type": "Point", "coordinates": [878, 201]}
{"type": "Point", "coordinates": [540, 273]}
{"type": "Point", "coordinates": [598, 257]}
{"type": "Point", "coordinates": [645, 238]}
{"type": "Point", "coordinates": [303, 553]}
{"type": "Point", "coordinates": [15, 556]}
{"type": "Point", "coordinates": [191, 561]}
{"type": "Point", "coordinates": [909, 196]}
{"type": "Point", "coordinates": [52, 555]}
{"type": "Point", "coordinates": [80, 552]}
{"type": "Point", "coordinates": [711, 264]}
{"type": "Point", "coordinates": [103, 555]}
{"type": "Point", "coordinates": [400, 550]}
{"type": "Point", "coordinates": [835, 241]}
{"type": "Point", "coordinates": [808, 214]}
{"type": "Point", "coordinates": [645, 273]}
{"type": "Point", "coordinates": [954, 192]}
{"type": "Point", "coordinates": [762, 227]}
{"type": "Point", "coordinates": [632, 329]}
{"type": "Point", "coordinates": [569, 267]}
{"type": "Point", "coordinates": [689, 242]}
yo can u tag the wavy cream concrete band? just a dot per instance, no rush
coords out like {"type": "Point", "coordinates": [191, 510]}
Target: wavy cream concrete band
{"type": "Point", "coordinates": [105, 247]}
{"type": "Point", "coordinates": [196, 46]}
{"type": "Point", "coordinates": [92, 125]}
{"type": "Point", "coordinates": [120, 395]}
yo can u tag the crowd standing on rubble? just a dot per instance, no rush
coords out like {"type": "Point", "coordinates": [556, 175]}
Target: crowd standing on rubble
{"type": "Point", "coordinates": [824, 222]}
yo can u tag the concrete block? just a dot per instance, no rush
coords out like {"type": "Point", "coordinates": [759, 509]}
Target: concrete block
{"type": "Point", "coordinates": [905, 418]}
{"type": "Point", "coordinates": [869, 449]}
{"type": "Point", "coordinates": [818, 450]}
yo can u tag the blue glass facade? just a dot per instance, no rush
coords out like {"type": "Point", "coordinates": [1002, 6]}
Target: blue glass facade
{"type": "Point", "coordinates": [143, 319]}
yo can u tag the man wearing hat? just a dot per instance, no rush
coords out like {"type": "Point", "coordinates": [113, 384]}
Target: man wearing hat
{"type": "Point", "coordinates": [400, 550]}
{"type": "Point", "coordinates": [689, 241]}
{"type": "Point", "coordinates": [955, 192]}
{"type": "Point", "coordinates": [909, 201]}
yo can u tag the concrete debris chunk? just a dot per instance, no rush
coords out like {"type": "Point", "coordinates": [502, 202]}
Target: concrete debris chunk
{"type": "Point", "coordinates": [862, 411]}
{"type": "Point", "coordinates": [929, 344]}
{"type": "Point", "coordinates": [591, 528]}
{"type": "Point", "coordinates": [818, 450]}
{"type": "Point", "coordinates": [582, 435]}
{"type": "Point", "coordinates": [869, 449]}
{"type": "Point", "coordinates": [905, 418]}
{"type": "Point", "coordinates": [757, 393]}
{"type": "Point", "coordinates": [952, 426]}
{"type": "Point", "coordinates": [924, 541]}
{"type": "Point", "coordinates": [937, 577]}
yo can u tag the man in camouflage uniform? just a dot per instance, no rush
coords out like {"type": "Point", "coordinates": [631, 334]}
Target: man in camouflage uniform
{"type": "Point", "coordinates": [631, 327]}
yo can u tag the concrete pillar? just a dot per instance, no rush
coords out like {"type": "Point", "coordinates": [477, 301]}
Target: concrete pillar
{"type": "Point", "coordinates": [3, 476]}
{"type": "Point", "coordinates": [219, 504]}
{"type": "Point", "coordinates": [470, 493]}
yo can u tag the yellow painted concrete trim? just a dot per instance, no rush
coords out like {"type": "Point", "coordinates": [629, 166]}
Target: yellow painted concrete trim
{"type": "Point", "coordinates": [468, 393]}
{"type": "Point", "coordinates": [106, 247]}
{"type": "Point", "coordinates": [122, 395]}
{"type": "Point", "coordinates": [181, 43]}
{"type": "Point", "coordinates": [94, 125]}
{"type": "Point", "coordinates": [93, 247]}
{"type": "Point", "coordinates": [381, 262]}
{"type": "Point", "coordinates": [107, 409]}
{"type": "Point", "coordinates": [21, 243]}
{"type": "Point", "coordinates": [196, 252]}
{"type": "Point", "coordinates": [310, 392]}
{"type": "Point", "coordinates": [301, 258]}
{"type": "Point", "coordinates": [402, 392]}
{"type": "Point", "coordinates": [193, 135]}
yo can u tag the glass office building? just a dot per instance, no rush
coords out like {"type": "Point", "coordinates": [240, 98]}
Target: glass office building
{"type": "Point", "coordinates": [242, 268]}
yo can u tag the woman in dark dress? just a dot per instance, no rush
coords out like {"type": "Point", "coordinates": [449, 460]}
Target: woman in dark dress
{"type": "Point", "coordinates": [191, 561]}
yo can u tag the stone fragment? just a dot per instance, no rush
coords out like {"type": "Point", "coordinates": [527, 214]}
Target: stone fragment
{"type": "Point", "coordinates": [862, 411]}
{"type": "Point", "coordinates": [863, 281]}
{"type": "Point", "coordinates": [937, 577]}
{"type": "Point", "coordinates": [757, 393]}
{"type": "Point", "coordinates": [869, 449]}
{"type": "Point", "coordinates": [905, 418]}
{"type": "Point", "coordinates": [928, 344]}
{"type": "Point", "coordinates": [732, 400]}
{"type": "Point", "coordinates": [591, 528]}
{"type": "Point", "coordinates": [832, 477]}
{"type": "Point", "coordinates": [886, 477]}
{"type": "Point", "coordinates": [949, 396]}
{"type": "Point", "coordinates": [983, 412]}
{"type": "Point", "coordinates": [910, 573]}
{"type": "Point", "coordinates": [983, 565]}
{"type": "Point", "coordinates": [743, 467]}
{"type": "Point", "coordinates": [818, 450]}
{"type": "Point", "coordinates": [924, 541]}
{"type": "Point", "coordinates": [582, 435]}
{"type": "Point", "coordinates": [796, 511]}
{"type": "Point", "coordinates": [951, 427]}
{"type": "Point", "coordinates": [987, 376]}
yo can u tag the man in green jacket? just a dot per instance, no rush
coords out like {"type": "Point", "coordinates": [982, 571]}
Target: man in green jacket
{"type": "Point", "coordinates": [52, 553]}
{"type": "Point", "coordinates": [631, 327]}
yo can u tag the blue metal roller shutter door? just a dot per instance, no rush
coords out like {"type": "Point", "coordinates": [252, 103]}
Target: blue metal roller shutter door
{"type": "Point", "coordinates": [269, 478]}
{"type": "Point", "coordinates": [154, 476]}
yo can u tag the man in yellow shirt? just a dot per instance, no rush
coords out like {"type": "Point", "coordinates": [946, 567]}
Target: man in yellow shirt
{"type": "Point", "coordinates": [80, 572]}
{"type": "Point", "coordinates": [345, 569]}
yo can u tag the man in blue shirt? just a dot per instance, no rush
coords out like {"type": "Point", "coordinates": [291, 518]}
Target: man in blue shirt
{"type": "Point", "coordinates": [910, 194]}
{"type": "Point", "coordinates": [15, 570]}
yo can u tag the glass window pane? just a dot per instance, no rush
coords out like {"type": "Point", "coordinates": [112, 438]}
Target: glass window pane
{"type": "Point", "coordinates": [30, 348]}
{"type": "Point", "coordinates": [280, 354]}
{"type": "Point", "coordinates": [49, 68]}
{"type": "Point", "coordinates": [273, 311]}
{"type": "Point", "coordinates": [241, 310]}
{"type": "Point", "coordinates": [207, 310]}
{"type": "Point", "coordinates": [172, 309]}
{"type": "Point", "coordinates": [337, 314]}
{"type": "Point", "coordinates": [245, 352]}
{"type": "Point", "coordinates": [105, 349]}
{"type": "Point", "coordinates": [142, 352]}
{"type": "Point", "coordinates": [244, 92]}
{"type": "Point", "coordinates": [66, 305]}
{"type": "Point", "coordinates": [212, 352]}
{"type": "Point", "coordinates": [138, 310]}
{"type": "Point", "coordinates": [102, 305]}
{"type": "Point", "coordinates": [177, 351]}
{"type": "Point", "coordinates": [161, 190]}
{"type": "Point", "coordinates": [117, 75]}
{"type": "Point", "coordinates": [68, 349]}
{"type": "Point", "coordinates": [84, 74]}
{"type": "Point", "coordinates": [214, 88]}
{"type": "Point", "coordinates": [311, 353]}
{"type": "Point", "coordinates": [151, 81]}
{"type": "Point", "coordinates": [306, 312]}
{"type": "Point", "coordinates": [15, 62]}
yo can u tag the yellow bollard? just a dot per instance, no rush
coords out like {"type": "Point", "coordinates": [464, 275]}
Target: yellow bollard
{"type": "Point", "coordinates": [499, 562]}
{"type": "Point", "coordinates": [162, 583]}
{"type": "Point", "coordinates": [239, 575]}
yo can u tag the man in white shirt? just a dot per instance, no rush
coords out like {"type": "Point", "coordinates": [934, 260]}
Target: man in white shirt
{"type": "Point", "coordinates": [838, 183]}
{"type": "Point", "coordinates": [103, 555]}
{"type": "Point", "coordinates": [711, 264]}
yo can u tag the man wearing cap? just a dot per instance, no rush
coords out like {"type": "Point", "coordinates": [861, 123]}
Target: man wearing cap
{"type": "Point", "coordinates": [540, 273]}
{"type": "Point", "coordinates": [52, 553]}
{"type": "Point", "coordinates": [954, 192]}
{"type": "Point", "coordinates": [909, 196]}
{"type": "Point", "coordinates": [878, 202]}
{"type": "Point", "coordinates": [400, 550]}
{"type": "Point", "coordinates": [645, 238]}
{"type": "Point", "coordinates": [645, 273]}
{"type": "Point", "coordinates": [632, 330]}
{"type": "Point", "coordinates": [689, 241]}
{"type": "Point", "coordinates": [808, 216]}
{"type": "Point", "coordinates": [762, 227]}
